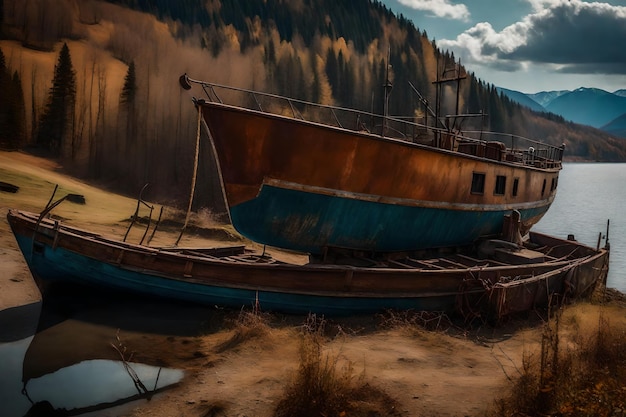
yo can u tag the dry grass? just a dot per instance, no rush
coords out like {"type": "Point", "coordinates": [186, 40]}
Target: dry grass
{"type": "Point", "coordinates": [326, 385]}
{"type": "Point", "coordinates": [250, 324]}
{"type": "Point", "coordinates": [103, 212]}
{"type": "Point", "coordinates": [415, 321]}
{"type": "Point", "coordinates": [580, 373]}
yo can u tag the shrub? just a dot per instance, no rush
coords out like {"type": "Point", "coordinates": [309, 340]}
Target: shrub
{"type": "Point", "coordinates": [326, 386]}
{"type": "Point", "coordinates": [583, 377]}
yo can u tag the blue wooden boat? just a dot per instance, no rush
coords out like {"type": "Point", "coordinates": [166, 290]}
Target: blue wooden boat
{"type": "Point", "coordinates": [500, 280]}
{"type": "Point", "coordinates": [366, 182]}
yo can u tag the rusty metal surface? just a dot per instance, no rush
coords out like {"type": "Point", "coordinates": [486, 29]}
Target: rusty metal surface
{"type": "Point", "coordinates": [253, 146]}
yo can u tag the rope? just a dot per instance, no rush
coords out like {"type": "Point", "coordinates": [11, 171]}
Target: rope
{"type": "Point", "coordinates": [193, 179]}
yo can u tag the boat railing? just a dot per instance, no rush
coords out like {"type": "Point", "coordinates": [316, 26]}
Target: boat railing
{"type": "Point", "coordinates": [497, 146]}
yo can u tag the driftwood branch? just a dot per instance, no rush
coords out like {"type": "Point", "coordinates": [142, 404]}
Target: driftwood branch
{"type": "Point", "coordinates": [121, 349]}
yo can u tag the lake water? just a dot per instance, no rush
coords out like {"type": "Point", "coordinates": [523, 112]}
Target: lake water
{"type": "Point", "coordinates": [590, 194]}
{"type": "Point", "coordinates": [61, 359]}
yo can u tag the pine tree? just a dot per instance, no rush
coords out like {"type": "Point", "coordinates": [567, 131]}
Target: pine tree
{"type": "Point", "coordinates": [129, 90]}
{"type": "Point", "coordinates": [316, 85]}
{"type": "Point", "coordinates": [128, 105]}
{"type": "Point", "coordinates": [1, 19]}
{"type": "Point", "coordinates": [343, 90]}
{"type": "Point", "coordinates": [12, 125]}
{"type": "Point", "coordinates": [332, 71]}
{"type": "Point", "coordinates": [56, 124]}
{"type": "Point", "coordinates": [5, 133]}
{"type": "Point", "coordinates": [16, 114]}
{"type": "Point", "coordinates": [473, 100]}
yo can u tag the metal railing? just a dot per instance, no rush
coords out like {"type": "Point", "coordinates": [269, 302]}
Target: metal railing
{"type": "Point", "coordinates": [492, 145]}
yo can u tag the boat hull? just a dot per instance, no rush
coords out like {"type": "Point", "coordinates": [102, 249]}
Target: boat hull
{"type": "Point", "coordinates": [307, 220]}
{"type": "Point", "coordinates": [309, 187]}
{"type": "Point", "coordinates": [62, 266]}
{"type": "Point", "coordinates": [60, 254]}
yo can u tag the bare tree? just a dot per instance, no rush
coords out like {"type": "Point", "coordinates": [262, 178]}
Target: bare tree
{"type": "Point", "coordinates": [96, 159]}
{"type": "Point", "coordinates": [33, 102]}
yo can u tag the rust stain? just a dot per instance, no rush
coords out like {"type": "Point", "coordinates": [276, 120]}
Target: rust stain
{"type": "Point", "coordinates": [252, 147]}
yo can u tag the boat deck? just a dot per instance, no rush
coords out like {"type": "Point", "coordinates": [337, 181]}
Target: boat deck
{"type": "Point", "coordinates": [537, 249]}
{"type": "Point", "coordinates": [496, 278]}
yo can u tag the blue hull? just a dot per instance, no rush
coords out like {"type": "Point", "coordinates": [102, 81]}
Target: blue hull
{"type": "Point", "coordinates": [308, 221]}
{"type": "Point", "coordinates": [233, 277]}
{"type": "Point", "coordinates": [59, 265]}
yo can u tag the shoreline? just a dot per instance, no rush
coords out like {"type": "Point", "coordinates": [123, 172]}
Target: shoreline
{"type": "Point", "coordinates": [17, 287]}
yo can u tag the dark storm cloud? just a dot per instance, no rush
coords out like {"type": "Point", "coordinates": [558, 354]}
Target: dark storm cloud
{"type": "Point", "coordinates": [575, 36]}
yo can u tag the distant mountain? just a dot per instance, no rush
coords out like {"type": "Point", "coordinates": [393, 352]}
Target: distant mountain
{"type": "Point", "coordinates": [521, 98]}
{"type": "Point", "coordinates": [545, 97]}
{"type": "Point", "coordinates": [586, 106]}
{"type": "Point", "coordinates": [617, 126]}
{"type": "Point", "coordinates": [589, 106]}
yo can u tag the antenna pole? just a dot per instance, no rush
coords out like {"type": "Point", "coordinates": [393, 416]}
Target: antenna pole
{"type": "Point", "coordinates": [387, 88]}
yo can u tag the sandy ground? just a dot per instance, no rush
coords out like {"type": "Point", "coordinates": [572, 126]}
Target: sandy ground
{"type": "Point", "coordinates": [445, 373]}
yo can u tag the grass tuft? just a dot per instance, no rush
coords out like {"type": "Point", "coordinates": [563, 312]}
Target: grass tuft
{"type": "Point", "coordinates": [580, 374]}
{"type": "Point", "coordinates": [421, 324]}
{"type": "Point", "coordinates": [250, 324]}
{"type": "Point", "coordinates": [324, 385]}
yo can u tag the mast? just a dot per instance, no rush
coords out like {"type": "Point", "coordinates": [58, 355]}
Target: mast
{"type": "Point", "coordinates": [387, 91]}
{"type": "Point", "coordinates": [445, 78]}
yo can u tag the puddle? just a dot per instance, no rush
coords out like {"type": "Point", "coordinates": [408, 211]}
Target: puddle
{"type": "Point", "coordinates": [92, 359]}
{"type": "Point", "coordinates": [99, 383]}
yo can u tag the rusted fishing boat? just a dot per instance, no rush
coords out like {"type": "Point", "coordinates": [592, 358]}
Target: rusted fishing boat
{"type": "Point", "coordinates": [497, 279]}
{"type": "Point", "coordinates": [314, 178]}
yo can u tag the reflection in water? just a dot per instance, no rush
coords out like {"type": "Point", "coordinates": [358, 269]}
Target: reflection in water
{"type": "Point", "coordinates": [97, 383]}
{"type": "Point", "coordinates": [11, 398]}
{"type": "Point", "coordinates": [94, 357]}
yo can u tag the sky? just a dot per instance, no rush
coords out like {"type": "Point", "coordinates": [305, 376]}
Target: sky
{"type": "Point", "coordinates": [529, 45]}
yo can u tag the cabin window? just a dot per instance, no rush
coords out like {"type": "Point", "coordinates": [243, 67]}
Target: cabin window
{"type": "Point", "coordinates": [500, 185]}
{"type": "Point", "coordinates": [478, 183]}
{"type": "Point", "coordinates": [543, 188]}
{"type": "Point", "coordinates": [553, 185]}
{"type": "Point", "coordinates": [515, 187]}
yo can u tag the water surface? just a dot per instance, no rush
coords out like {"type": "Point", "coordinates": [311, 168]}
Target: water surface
{"type": "Point", "coordinates": [590, 194]}
{"type": "Point", "coordinates": [93, 355]}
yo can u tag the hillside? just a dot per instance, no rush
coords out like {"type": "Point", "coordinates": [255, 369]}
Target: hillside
{"type": "Point", "coordinates": [130, 123]}
{"type": "Point", "coordinates": [523, 99]}
{"type": "Point", "coordinates": [617, 126]}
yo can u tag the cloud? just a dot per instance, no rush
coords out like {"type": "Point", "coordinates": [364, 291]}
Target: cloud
{"type": "Point", "coordinates": [440, 8]}
{"type": "Point", "coordinates": [575, 36]}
